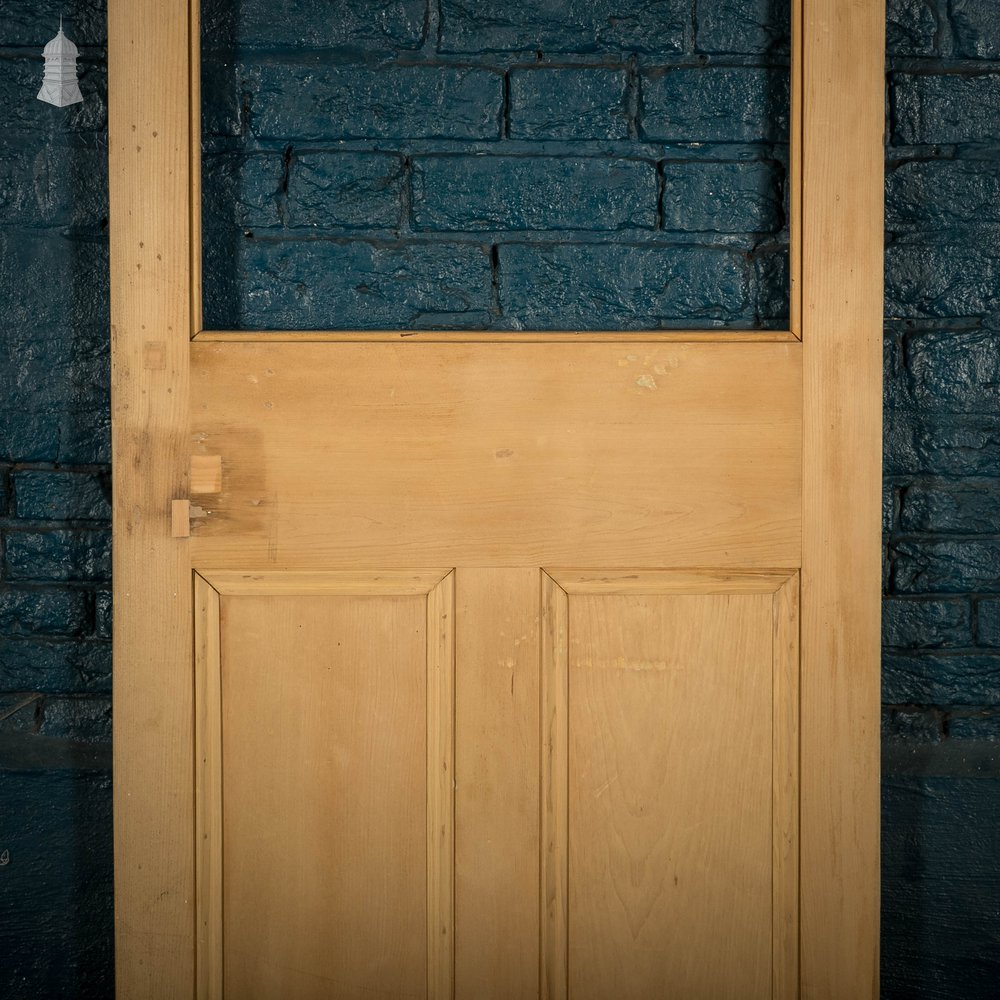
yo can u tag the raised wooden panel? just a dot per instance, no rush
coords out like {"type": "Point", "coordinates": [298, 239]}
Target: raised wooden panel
{"type": "Point", "coordinates": [499, 454]}
{"type": "Point", "coordinates": [671, 787]}
{"type": "Point", "coordinates": [326, 763]}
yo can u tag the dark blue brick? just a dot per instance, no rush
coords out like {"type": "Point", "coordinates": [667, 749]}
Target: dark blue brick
{"type": "Point", "coordinates": [926, 624]}
{"type": "Point", "coordinates": [398, 24]}
{"type": "Point", "coordinates": [946, 108]}
{"type": "Point", "coordinates": [771, 289]}
{"type": "Point", "coordinates": [911, 27]}
{"type": "Point", "coordinates": [941, 882]}
{"type": "Point", "coordinates": [956, 371]}
{"type": "Point", "coordinates": [750, 27]}
{"type": "Point", "coordinates": [321, 189]}
{"type": "Point", "coordinates": [47, 183]}
{"type": "Point", "coordinates": [941, 444]}
{"type": "Point", "coordinates": [502, 193]}
{"type": "Point", "coordinates": [601, 287]}
{"type": "Point", "coordinates": [988, 622]}
{"type": "Point", "coordinates": [976, 27]}
{"type": "Point", "coordinates": [314, 101]}
{"type": "Point", "coordinates": [982, 726]}
{"type": "Point", "coordinates": [62, 496]}
{"type": "Point", "coordinates": [43, 612]}
{"type": "Point", "coordinates": [58, 885]}
{"type": "Point", "coordinates": [20, 78]}
{"type": "Point", "coordinates": [34, 24]}
{"type": "Point", "coordinates": [717, 104]}
{"type": "Point", "coordinates": [103, 614]}
{"type": "Point", "coordinates": [325, 285]}
{"type": "Point", "coordinates": [972, 508]}
{"type": "Point", "coordinates": [58, 555]}
{"type": "Point", "coordinates": [909, 725]}
{"type": "Point", "coordinates": [568, 104]}
{"type": "Point", "coordinates": [721, 197]}
{"type": "Point", "coordinates": [946, 567]}
{"type": "Point", "coordinates": [564, 26]}
{"type": "Point", "coordinates": [82, 719]}
{"type": "Point", "coordinates": [940, 194]}
{"type": "Point", "coordinates": [924, 280]}
{"type": "Point", "coordinates": [65, 666]}
{"type": "Point", "coordinates": [940, 678]}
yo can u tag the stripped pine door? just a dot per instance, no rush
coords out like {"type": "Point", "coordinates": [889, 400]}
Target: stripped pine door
{"type": "Point", "coordinates": [496, 666]}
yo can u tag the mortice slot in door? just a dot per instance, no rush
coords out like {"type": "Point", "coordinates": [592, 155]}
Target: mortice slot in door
{"type": "Point", "coordinates": [324, 728]}
{"type": "Point", "coordinates": [669, 785]}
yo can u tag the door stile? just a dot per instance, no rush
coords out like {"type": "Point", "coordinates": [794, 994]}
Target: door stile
{"type": "Point", "coordinates": [842, 237]}
{"type": "Point", "coordinates": [151, 187]}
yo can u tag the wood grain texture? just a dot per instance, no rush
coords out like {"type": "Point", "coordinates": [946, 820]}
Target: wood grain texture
{"type": "Point", "coordinates": [500, 454]}
{"type": "Point", "coordinates": [497, 776]}
{"type": "Point", "coordinates": [208, 790]}
{"type": "Point", "coordinates": [496, 336]}
{"type": "Point", "coordinates": [554, 867]}
{"type": "Point", "coordinates": [670, 757]}
{"type": "Point", "coordinates": [329, 583]}
{"type": "Point", "coordinates": [150, 156]}
{"type": "Point", "coordinates": [843, 122]}
{"type": "Point", "coordinates": [326, 796]}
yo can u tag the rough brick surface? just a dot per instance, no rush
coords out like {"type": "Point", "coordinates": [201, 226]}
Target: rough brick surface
{"type": "Point", "coordinates": [718, 104]}
{"type": "Point", "coordinates": [917, 624]}
{"type": "Point", "coordinates": [968, 508]}
{"type": "Point", "coordinates": [573, 287]}
{"type": "Point", "coordinates": [544, 193]}
{"type": "Point", "coordinates": [568, 104]}
{"type": "Point", "coordinates": [974, 23]}
{"type": "Point", "coordinates": [722, 197]}
{"type": "Point", "coordinates": [62, 496]}
{"type": "Point", "coordinates": [932, 108]}
{"type": "Point", "coordinates": [313, 101]}
{"type": "Point", "coordinates": [744, 26]}
{"type": "Point", "coordinates": [911, 27]}
{"type": "Point", "coordinates": [941, 194]}
{"type": "Point", "coordinates": [83, 556]}
{"type": "Point", "coordinates": [577, 26]}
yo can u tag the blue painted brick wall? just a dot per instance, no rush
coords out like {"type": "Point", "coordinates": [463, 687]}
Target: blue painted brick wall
{"type": "Point", "coordinates": [465, 165]}
{"type": "Point", "coordinates": [55, 655]}
{"type": "Point", "coordinates": [393, 157]}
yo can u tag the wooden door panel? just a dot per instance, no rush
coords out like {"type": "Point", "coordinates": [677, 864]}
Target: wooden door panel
{"type": "Point", "coordinates": [498, 454]}
{"type": "Point", "coordinates": [670, 811]}
{"type": "Point", "coordinates": [326, 798]}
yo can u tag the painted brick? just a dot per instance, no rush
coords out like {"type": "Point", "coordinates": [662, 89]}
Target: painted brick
{"type": "Point", "coordinates": [103, 614]}
{"type": "Point", "coordinates": [940, 678]}
{"type": "Point", "coordinates": [398, 24]}
{"type": "Point", "coordinates": [568, 104]}
{"type": "Point", "coordinates": [58, 885]}
{"type": "Point", "coordinates": [83, 719]}
{"type": "Point", "coordinates": [750, 27]}
{"type": "Point", "coordinates": [325, 285]}
{"type": "Point", "coordinates": [564, 26]}
{"type": "Point", "coordinates": [929, 108]}
{"type": "Point", "coordinates": [5, 493]}
{"type": "Point", "coordinates": [925, 280]}
{"type": "Point", "coordinates": [984, 726]}
{"type": "Point", "coordinates": [941, 443]}
{"type": "Point", "coordinates": [939, 194]}
{"type": "Point", "coordinates": [566, 287]}
{"type": "Point", "coordinates": [43, 612]}
{"type": "Point", "coordinates": [20, 78]}
{"type": "Point", "coordinates": [988, 622]}
{"type": "Point", "coordinates": [946, 567]}
{"type": "Point", "coordinates": [33, 24]}
{"type": "Point", "coordinates": [940, 921]}
{"type": "Point", "coordinates": [722, 197]}
{"type": "Point", "coordinates": [62, 496]}
{"type": "Point", "coordinates": [976, 28]}
{"type": "Point", "coordinates": [306, 101]}
{"type": "Point", "coordinates": [58, 555]}
{"type": "Point", "coordinates": [44, 182]}
{"type": "Point", "coordinates": [972, 508]}
{"type": "Point", "coordinates": [908, 726]}
{"type": "Point", "coordinates": [770, 289]}
{"type": "Point", "coordinates": [66, 666]}
{"type": "Point", "coordinates": [911, 27]}
{"type": "Point", "coordinates": [716, 104]}
{"type": "Point", "coordinates": [503, 193]}
{"type": "Point", "coordinates": [956, 371]}
{"type": "Point", "coordinates": [321, 189]}
{"type": "Point", "coordinates": [922, 624]}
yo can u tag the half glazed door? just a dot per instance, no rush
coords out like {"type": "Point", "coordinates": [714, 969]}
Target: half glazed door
{"type": "Point", "coordinates": [497, 665]}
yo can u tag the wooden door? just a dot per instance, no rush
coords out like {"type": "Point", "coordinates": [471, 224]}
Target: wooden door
{"type": "Point", "coordinates": [497, 666]}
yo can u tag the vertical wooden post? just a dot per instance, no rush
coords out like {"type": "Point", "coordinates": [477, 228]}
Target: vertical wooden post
{"type": "Point", "coordinates": [842, 177]}
{"type": "Point", "coordinates": [150, 181]}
